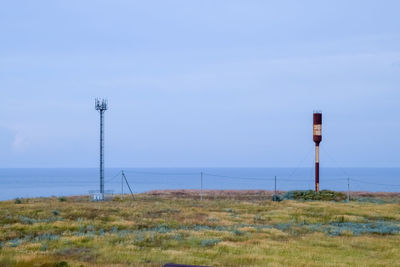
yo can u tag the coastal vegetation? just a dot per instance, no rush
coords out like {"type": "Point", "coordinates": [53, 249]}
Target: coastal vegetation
{"type": "Point", "coordinates": [224, 229]}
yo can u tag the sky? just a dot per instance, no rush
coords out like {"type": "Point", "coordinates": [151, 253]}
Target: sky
{"type": "Point", "coordinates": [199, 83]}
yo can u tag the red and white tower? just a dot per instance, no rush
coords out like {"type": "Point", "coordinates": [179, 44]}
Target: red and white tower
{"type": "Point", "coordinates": [317, 137]}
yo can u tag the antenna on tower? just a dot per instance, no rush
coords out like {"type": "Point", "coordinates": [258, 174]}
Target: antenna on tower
{"type": "Point", "coordinates": [101, 106]}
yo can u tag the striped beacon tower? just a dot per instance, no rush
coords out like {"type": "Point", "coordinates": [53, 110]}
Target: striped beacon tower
{"type": "Point", "coordinates": [317, 137]}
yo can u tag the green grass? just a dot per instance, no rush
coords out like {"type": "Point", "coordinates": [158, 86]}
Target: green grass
{"type": "Point", "coordinates": [151, 231]}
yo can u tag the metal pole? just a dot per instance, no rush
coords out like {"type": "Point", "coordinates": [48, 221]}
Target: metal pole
{"type": "Point", "coordinates": [102, 154]}
{"type": "Point", "coordinates": [201, 186]}
{"type": "Point", "coordinates": [316, 167]}
{"type": "Point", "coordinates": [275, 186]}
{"type": "Point", "coordinates": [122, 186]}
{"type": "Point", "coordinates": [348, 189]}
{"type": "Point", "coordinates": [129, 187]}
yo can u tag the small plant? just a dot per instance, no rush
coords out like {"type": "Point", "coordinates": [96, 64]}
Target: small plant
{"type": "Point", "coordinates": [18, 201]}
{"type": "Point", "coordinates": [228, 210]}
{"type": "Point", "coordinates": [46, 236]}
{"type": "Point", "coordinates": [55, 212]}
{"type": "Point", "coordinates": [209, 242]}
{"type": "Point", "coordinates": [238, 232]}
{"type": "Point", "coordinates": [15, 242]}
{"type": "Point", "coordinates": [27, 220]}
{"type": "Point", "coordinates": [62, 199]}
{"type": "Point", "coordinates": [44, 247]}
{"type": "Point", "coordinates": [178, 237]}
{"type": "Point", "coordinates": [101, 232]}
{"type": "Point", "coordinates": [257, 218]}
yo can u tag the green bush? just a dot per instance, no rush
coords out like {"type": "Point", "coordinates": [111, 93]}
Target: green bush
{"type": "Point", "coordinates": [18, 201]}
{"type": "Point", "coordinates": [62, 199]}
{"type": "Point", "coordinates": [277, 198]}
{"type": "Point", "coordinates": [55, 212]}
{"type": "Point", "coordinates": [323, 195]}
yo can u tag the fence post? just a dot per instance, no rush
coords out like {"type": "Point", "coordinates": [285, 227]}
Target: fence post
{"type": "Point", "coordinates": [201, 186]}
{"type": "Point", "coordinates": [122, 186]}
{"type": "Point", "coordinates": [275, 197]}
{"type": "Point", "coordinates": [348, 189]}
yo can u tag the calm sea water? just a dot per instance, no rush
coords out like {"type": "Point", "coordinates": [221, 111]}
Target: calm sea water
{"type": "Point", "coordinates": [63, 182]}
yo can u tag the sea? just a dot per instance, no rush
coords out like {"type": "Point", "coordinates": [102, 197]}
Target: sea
{"type": "Point", "coordinates": [26, 183]}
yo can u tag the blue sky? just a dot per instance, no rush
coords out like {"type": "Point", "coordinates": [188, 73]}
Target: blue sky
{"type": "Point", "coordinates": [199, 83]}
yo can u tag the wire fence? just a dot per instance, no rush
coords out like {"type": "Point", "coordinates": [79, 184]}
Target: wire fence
{"type": "Point", "coordinates": [202, 181]}
{"type": "Point", "coordinates": [206, 183]}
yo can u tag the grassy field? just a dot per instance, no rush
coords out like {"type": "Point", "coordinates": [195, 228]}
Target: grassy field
{"type": "Point", "coordinates": [155, 229]}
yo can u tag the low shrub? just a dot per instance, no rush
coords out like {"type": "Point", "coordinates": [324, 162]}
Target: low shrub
{"type": "Point", "coordinates": [44, 247]}
{"type": "Point", "coordinates": [27, 220]}
{"type": "Point", "coordinates": [62, 199]}
{"type": "Point", "coordinates": [15, 242]}
{"type": "Point", "coordinates": [177, 236]}
{"type": "Point", "coordinates": [238, 232]}
{"type": "Point", "coordinates": [18, 201]}
{"type": "Point", "coordinates": [45, 237]}
{"type": "Point", "coordinates": [55, 212]}
{"type": "Point", "coordinates": [344, 228]}
{"type": "Point", "coordinates": [277, 198]}
{"type": "Point", "coordinates": [209, 242]}
{"type": "Point", "coordinates": [372, 200]}
{"type": "Point", "coordinates": [380, 228]}
{"type": "Point", "coordinates": [323, 195]}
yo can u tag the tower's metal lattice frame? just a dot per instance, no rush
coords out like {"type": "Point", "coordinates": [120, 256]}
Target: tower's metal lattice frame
{"type": "Point", "coordinates": [101, 105]}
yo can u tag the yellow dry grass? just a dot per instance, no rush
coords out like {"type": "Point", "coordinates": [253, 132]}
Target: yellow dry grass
{"type": "Point", "coordinates": [154, 230]}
